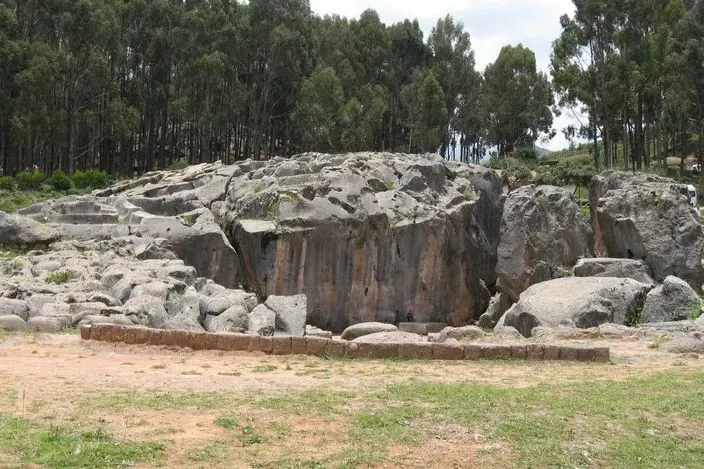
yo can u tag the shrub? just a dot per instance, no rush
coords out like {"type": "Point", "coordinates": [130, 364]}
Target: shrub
{"type": "Point", "coordinates": [60, 181]}
{"type": "Point", "coordinates": [92, 178]}
{"type": "Point", "coordinates": [7, 183]}
{"type": "Point", "coordinates": [60, 277]}
{"type": "Point", "coordinates": [29, 180]}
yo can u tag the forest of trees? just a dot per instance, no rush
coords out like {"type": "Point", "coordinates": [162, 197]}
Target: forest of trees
{"type": "Point", "coordinates": [132, 86]}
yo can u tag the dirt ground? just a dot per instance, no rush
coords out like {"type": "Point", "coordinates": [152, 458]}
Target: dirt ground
{"type": "Point", "coordinates": [50, 377]}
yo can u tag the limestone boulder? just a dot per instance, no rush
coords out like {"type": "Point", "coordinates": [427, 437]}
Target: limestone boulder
{"type": "Point", "coordinates": [674, 300]}
{"type": "Point", "coordinates": [14, 307]}
{"type": "Point", "coordinates": [291, 313]}
{"type": "Point", "coordinates": [18, 230]}
{"type": "Point", "coordinates": [366, 328]}
{"type": "Point", "coordinates": [12, 323]}
{"type": "Point", "coordinates": [262, 321]}
{"type": "Point", "coordinates": [498, 306]}
{"type": "Point", "coordinates": [648, 218]}
{"type": "Point", "coordinates": [233, 319]}
{"type": "Point", "coordinates": [579, 302]}
{"type": "Point", "coordinates": [395, 337]}
{"type": "Point", "coordinates": [461, 334]}
{"type": "Point", "coordinates": [616, 268]}
{"type": "Point", "coordinates": [368, 236]}
{"type": "Point", "coordinates": [543, 234]}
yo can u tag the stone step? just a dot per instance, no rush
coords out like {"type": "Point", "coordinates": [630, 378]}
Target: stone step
{"type": "Point", "coordinates": [97, 232]}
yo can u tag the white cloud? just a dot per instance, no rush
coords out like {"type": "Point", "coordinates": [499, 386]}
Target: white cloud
{"type": "Point", "coordinates": [491, 24]}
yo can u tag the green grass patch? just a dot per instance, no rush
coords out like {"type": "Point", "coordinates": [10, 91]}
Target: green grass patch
{"type": "Point", "coordinates": [226, 422]}
{"type": "Point", "coordinates": [314, 401]}
{"type": "Point", "coordinates": [54, 447]}
{"type": "Point", "coordinates": [59, 277]}
{"type": "Point", "coordinates": [164, 401]}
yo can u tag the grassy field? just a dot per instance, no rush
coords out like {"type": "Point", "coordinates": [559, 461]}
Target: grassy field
{"type": "Point", "coordinates": [651, 420]}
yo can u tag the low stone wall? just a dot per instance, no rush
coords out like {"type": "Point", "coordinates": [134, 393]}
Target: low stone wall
{"type": "Point", "coordinates": [335, 348]}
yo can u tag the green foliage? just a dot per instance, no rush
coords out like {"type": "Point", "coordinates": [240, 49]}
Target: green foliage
{"type": "Point", "coordinates": [226, 422]}
{"type": "Point", "coordinates": [696, 312]}
{"type": "Point", "coordinates": [60, 181]}
{"type": "Point", "coordinates": [635, 317]}
{"type": "Point", "coordinates": [59, 277]}
{"type": "Point", "coordinates": [92, 178]}
{"type": "Point", "coordinates": [519, 98]}
{"type": "Point", "coordinates": [27, 180]}
{"type": "Point", "coordinates": [177, 165]}
{"type": "Point", "coordinates": [7, 183]}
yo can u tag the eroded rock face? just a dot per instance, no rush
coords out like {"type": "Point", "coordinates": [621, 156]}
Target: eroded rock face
{"type": "Point", "coordinates": [577, 302]}
{"type": "Point", "coordinates": [648, 218]}
{"type": "Point", "coordinates": [367, 237]}
{"type": "Point", "coordinates": [543, 233]}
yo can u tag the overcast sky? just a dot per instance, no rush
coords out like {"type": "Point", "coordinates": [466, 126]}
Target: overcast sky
{"type": "Point", "coordinates": [490, 23]}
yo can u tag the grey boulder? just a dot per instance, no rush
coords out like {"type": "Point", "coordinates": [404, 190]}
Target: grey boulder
{"type": "Point", "coordinates": [582, 302]}
{"type": "Point", "coordinates": [17, 230]}
{"type": "Point", "coordinates": [366, 328]}
{"type": "Point", "coordinates": [648, 218]}
{"type": "Point", "coordinates": [395, 337]}
{"type": "Point", "coordinates": [674, 300]}
{"type": "Point", "coordinates": [461, 334]}
{"type": "Point", "coordinates": [543, 233]}
{"type": "Point", "coordinates": [262, 321]}
{"type": "Point", "coordinates": [291, 313]}
{"type": "Point", "coordinates": [616, 268]}
{"type": "Point", "coordinates": [12, 323]}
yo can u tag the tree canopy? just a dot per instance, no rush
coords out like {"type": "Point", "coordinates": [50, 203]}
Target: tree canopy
{"type": "Point", "coordinates": [129, 87]}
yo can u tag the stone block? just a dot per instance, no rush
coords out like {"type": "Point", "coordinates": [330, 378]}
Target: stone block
{"type": "Point", "coordinates": [535, 352]}
{"type": "Point", "coordinates": [585, 354]}
{"type": "Point", "coordinates": [416, 351]}
{"type": "Point", "coordinates": [226, 341]}
{"type": "Point", "coordinates": [113, 333]}
{"type": "Point", "coordinates": [601, 354]}
{"type": "Point", "coordinates": [155, 336]}
{"type": "Point", "coordinates": [568, 353]}
{"type": "Point", "coordinates": [136, 335]}
{"type": "Point", "coordinates": [281, 345]}
{"type": "Point", "coordinates": [551, 352]}
{"type": "Point", "coordinates": [472, 351]}
{"type": "Point", "coordinates": [85, 332]}
{"type": "Point", "coordinates": [298, 345]}
{"type": "Point", "coordinates": [169, 337]}
{"type": "Point", "coordinates": [448, 352]}
{"type": "Point", "coordinates": [336, 348]}
{"type": "Point", "coordinates": [242, 342]}
{"type": "Point", "coordinates": [316, 346]}
{"type": "Point", "coordinates": [183, 339]}
{"type": "Point", "coordinates": [376, 350]}
{"type": "Point", "coordinates": [519, 352]}
{"type": "Point", "coordinates": [265, 344]}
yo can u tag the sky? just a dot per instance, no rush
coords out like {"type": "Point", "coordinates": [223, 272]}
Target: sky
{"type": "Point", "coordinates": [491, 24]}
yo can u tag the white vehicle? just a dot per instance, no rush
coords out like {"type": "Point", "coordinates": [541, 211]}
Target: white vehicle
{"type": "Point", "coordinates": [692, 195]}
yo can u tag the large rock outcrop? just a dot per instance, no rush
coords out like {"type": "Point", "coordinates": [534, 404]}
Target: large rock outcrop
{"type": "Point", "coordinates": [618, 268]}
{"type": "Point", "coordinates": [674, 300]}
{"type": "Point", "coordinates": [582, 302]}
{"type": "Point", "coordinates": [367, 237]}
{"type": "Point", "coordinates": [648, 218]}
{"type": "Point", "coordinates": [543, 233]}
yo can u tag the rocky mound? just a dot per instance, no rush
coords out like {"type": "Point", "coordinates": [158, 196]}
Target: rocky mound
{"type": "Point", "coordinates": [543, 233]}
{"type": "Point", "coordinates": [367, 237]}
{"type": "Point", "coordinates": [648, 218]}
